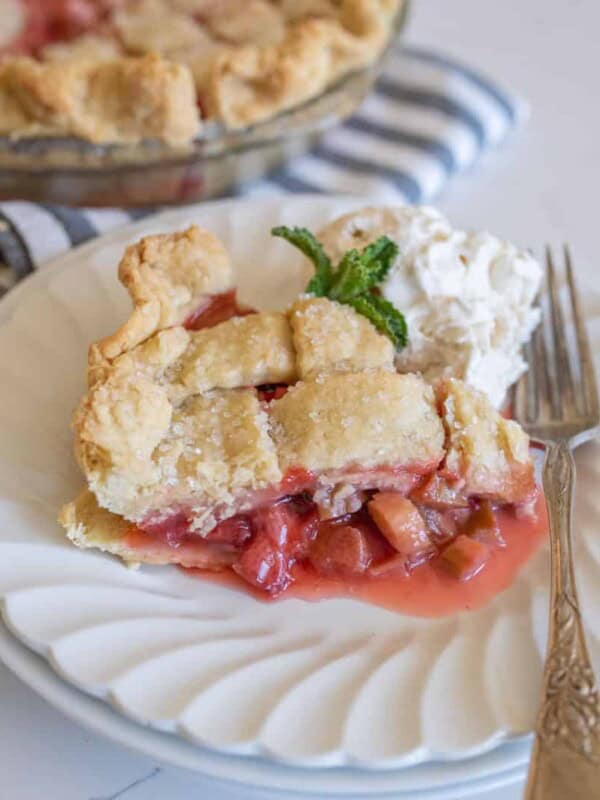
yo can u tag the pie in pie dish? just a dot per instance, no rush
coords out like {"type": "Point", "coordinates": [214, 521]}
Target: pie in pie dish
{"type": "Point", "coordinates": [265, 443]}
{"type": "Point", "coordinates": [114, 71]}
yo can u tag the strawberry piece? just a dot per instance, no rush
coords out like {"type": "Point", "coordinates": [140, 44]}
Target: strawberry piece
{"type": "Point", "coordinates": [440, 493]}
{"type": "Point", "coordinates": [464, 557]}
{"type": "Point", "coordinates": [271, 391]}
{"type": "Point", "coordinates": [399, 521]}
{"type": "Point", "coordinates": [340, 550]}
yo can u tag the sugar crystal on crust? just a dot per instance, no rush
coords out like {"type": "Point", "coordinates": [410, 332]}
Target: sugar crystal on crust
{"type": "Point", "coordinates": [369, 418]}
{"type": "Point", "coordinates": [331, 337]}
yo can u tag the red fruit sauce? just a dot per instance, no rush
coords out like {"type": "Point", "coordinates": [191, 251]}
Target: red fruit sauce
{"type": "Point", "coordinates": [284, 549]}
{"type": "Point", "coordinates": [219, 308]}
{"type": "Point", "coordinates": [429, 590]}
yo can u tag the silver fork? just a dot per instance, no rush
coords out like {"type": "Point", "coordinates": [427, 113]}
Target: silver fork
{"type": "Point", "coordinates": [556, 402]}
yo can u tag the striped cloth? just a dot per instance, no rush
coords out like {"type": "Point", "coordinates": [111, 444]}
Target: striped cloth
{"type": "Point", "coordinates": [428, 118]}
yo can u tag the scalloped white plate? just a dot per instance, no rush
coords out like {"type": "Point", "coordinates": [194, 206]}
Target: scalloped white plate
{"type": "Point", "coordinates": [503, 766]}
{"type": "Point", "coordinates": [322, 684]}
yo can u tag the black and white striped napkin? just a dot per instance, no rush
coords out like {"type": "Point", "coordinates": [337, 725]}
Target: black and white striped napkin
{"type": "Point", "coordinates": [428, 118]}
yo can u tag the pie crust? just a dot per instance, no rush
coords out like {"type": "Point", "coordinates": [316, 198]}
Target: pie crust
{"type": "Point", "coordinates": [168, 277]}
{"type": "Point", "coordinates": [101, 100]}
{"type": "Point", "coordinates": [143, 69]}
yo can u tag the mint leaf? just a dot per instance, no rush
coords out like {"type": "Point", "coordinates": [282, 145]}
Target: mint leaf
{"type": "Point", "coordinates": [384, 316]}
{"type": "Point", "coordinates": [305, 241]}
{"type": "Point", "coordinates": [350, 277]}
{"type": "Point", "coordinates": [359, 272]}
{"type": "Point", "coordinates": [380, 255]}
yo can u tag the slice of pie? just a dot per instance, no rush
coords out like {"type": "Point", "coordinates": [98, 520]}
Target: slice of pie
{"type": "Point", "coordinates": [219, 438]}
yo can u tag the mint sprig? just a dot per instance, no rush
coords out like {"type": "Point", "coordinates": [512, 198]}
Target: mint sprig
{"type": "Point", "coordinates": [384, 316]}
{"type": "Point", "coordinates": [355, 279]}
{"type": "Point", "coordinates": [303, 239]}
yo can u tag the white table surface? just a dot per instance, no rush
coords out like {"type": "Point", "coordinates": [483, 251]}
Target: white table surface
{"type": "Point", "coordinates": [540, 188]}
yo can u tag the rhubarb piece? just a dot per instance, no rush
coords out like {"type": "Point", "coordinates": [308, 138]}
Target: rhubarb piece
{"type": "Point", "coordinates": [235, 531]}
{"type": "Point", "coordinates": [482, 525]}
{"type": "Point", "coordinates": [443, 525]}
{"type": "Point", "coordinates": [400, 522]}
{"type": "Point", "coordinates": [340, 551]}
{"type": "Point", "coordinates": [264, 566]}
{"type": "Point", "coordinates": [441, 493]}
{"type": "Point", "coordinates": [282, 535]}
{"type": "Point", "coordinates": [464, 557]}
{"type": "Point", "coordinates": [219, 308]}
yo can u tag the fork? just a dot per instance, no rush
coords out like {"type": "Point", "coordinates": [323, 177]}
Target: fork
{"type": "Point", "coordinates": [556, 402]}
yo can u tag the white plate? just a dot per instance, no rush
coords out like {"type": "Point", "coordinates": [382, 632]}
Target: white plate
{"type": "Point", "coordinates": [504, 766]}
{"type": "Point", "coordinates": [309, 684]}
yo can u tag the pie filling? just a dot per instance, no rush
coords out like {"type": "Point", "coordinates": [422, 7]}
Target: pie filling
{"type": "Point", "coordinates": [57, 21]}
{"type": "Point", "coordinates": [345, 530]}
{"type": "Point", "coordinates": [219, 308]}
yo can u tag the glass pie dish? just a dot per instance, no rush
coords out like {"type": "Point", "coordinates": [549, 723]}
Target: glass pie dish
{"type": "Point", "coordinates": [74, 172]}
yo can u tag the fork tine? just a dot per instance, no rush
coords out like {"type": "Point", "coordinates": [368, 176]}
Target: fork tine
{"type": "Point", "coordinates": [539, 363]}
{"type": "Point", "coordinates": [525, 392]}
{"type": "Point", "coordinates": [563, 376]}
{"type": "Point", "coordinates": [588, 375]}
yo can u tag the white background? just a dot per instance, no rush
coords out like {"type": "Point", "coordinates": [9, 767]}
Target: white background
{"type": "Point", "coordinates": [540, 188]}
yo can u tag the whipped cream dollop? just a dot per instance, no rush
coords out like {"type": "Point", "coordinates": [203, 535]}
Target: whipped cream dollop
{"type": "Point", "coordinates": [467, 297]}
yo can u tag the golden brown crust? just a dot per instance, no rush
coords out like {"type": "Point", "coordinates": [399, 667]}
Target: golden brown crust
{"type": "Point", "coordinates": [485, 450]}
{"type": "Point", "coordinates": [250, 83]}
{"type": "Point", "coordinates": [330, 337]}
{"type": "Point", "coordinates": [154, 26]}
{"type": "Point", "coordinates": [89, 526]}
{"type": "Point", "coordinates": [89, 47]}
{"type": "Point", "coordinates": [237, 22]}
{"type": "Point", "coordinates": [294, 10]}
{"type": "Point", "coordinates": [168, 277]}
{"type": "Point", "coordinates": [116, 100]}
{"type": "Point", "coordinates": [369, 18]}
{"type": "Point", "coordinates": [142, 454]}
{"type": "Point", "coordinates": [367, 419]}
{"type": "Point", "coordinates": [244, 351]}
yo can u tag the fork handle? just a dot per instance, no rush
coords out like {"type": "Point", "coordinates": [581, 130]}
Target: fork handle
{"type": "Point", "coordinates": [565, 760]}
